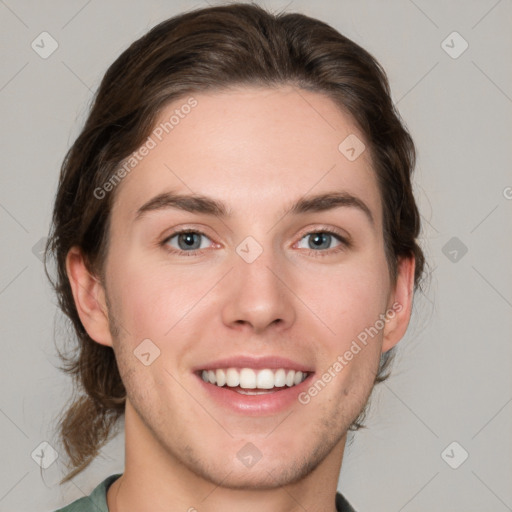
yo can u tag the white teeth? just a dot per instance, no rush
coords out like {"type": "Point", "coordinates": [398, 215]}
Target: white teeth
{"type": "Point", "coordinates": [249, 379]}
{"type": "Point", "coordinates": [265, 379]}
{"type": "Point", "coordinates": [232, 378]}
{"type": "Point", "coordinates": [221, 377]}
{"type": "Point", "coordinates": [252, 392]}
{"type": "Point", "coordinates": [280, 378]}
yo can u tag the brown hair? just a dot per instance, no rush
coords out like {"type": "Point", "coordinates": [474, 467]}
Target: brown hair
{"type": "Point", "coordinates": [209, 49]}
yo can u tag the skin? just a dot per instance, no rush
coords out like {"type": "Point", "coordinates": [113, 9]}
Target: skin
{"type": "Point", "coordinates": [181, 448]}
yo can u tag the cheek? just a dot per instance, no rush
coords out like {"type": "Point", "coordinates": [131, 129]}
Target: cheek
{"type": "Point", "coordinates": [349, 300]}
{"type": "Point", "coordinates": [151, 299]}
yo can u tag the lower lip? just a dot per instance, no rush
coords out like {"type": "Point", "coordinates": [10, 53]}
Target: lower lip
{"type": "Point", "coordinates": [255, 405]}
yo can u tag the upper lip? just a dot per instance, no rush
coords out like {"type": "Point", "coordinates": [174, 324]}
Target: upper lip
{"type": "Point", "coordinates": [257, 363]}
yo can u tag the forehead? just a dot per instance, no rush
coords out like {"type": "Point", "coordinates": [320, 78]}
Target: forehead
{"type": "Point", "coordinates": [252, 148]}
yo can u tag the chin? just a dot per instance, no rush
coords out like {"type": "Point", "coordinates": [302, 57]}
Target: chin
{"type": "Point", "coordinates": [261, 476]}
{"type": "Point", "coordinates": [248, 468]}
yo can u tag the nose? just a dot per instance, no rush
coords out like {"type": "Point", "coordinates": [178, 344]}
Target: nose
{"type": "Point", "coordinates": [258, 296]}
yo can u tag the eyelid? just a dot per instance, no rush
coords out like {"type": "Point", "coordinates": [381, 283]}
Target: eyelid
{"type": "Point", "coordinates": [342, 235]}
{"type": "Point", "coordinates": [344, 239]}
{"type": "Point", "coordinates": [189, 228]}
{"type": "Point", "coordinates": [176, 231]}
{"type": "Point", "coordinates": [345, 243]}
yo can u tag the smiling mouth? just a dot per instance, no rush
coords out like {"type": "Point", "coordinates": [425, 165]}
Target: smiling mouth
{"type": "Point", "coordinates": [247, 381]}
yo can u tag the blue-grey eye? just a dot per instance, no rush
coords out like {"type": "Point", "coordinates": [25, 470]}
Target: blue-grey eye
{"type": "Point", "coordinates": [188, 241]}
{"type": "Point", "coordinates": [319, 240]}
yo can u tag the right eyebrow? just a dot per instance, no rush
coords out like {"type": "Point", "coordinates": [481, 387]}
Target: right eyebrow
{"type": "Point", "coordinates": [188, 203]}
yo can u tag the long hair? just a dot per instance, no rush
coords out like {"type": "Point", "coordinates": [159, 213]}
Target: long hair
{"type": "Point", "coordinates": [207, 50]}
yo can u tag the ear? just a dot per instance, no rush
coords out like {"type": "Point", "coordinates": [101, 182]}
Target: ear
{"type": "Point", "coordinates": [89, 296]}
{"type": "Point", "coordinates": [399, 309]}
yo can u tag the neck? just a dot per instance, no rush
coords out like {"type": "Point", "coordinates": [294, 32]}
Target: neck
{"type": "Point", "coordinates": [152, 475]}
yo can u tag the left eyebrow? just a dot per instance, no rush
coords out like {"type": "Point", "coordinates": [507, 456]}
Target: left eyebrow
{"type": "Point", "coordinates": [324, 202]}
{"type": "Point", "coordinates": [206, 205]}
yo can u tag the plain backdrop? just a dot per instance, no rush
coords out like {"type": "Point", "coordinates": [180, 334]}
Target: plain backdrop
{"type": "Point", "coordinates": [452, 381]}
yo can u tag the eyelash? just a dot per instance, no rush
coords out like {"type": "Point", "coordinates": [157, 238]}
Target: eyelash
{"type": "Point", "coordinates": [344, 243]}
{"type": "Point", "coordinates": [181, 232]}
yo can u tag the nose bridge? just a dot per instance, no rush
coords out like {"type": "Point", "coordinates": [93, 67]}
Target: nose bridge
{"type": "Point", "coordinates": [257, 266]}
{"type": "Point", "coordinates": [258, 297]}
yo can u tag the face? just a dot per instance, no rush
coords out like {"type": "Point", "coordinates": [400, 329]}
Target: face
{"type": "Point", "coordinates": [224, 334]}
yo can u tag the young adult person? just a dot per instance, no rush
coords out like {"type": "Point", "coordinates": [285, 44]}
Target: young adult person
{"type": "Point", "coordinates": [235, 237]}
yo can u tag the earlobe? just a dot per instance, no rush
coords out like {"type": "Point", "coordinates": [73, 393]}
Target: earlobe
{"type": "Point", "coordinates": [399, 309]}
{"type": "Point", "coordinates": [89, 296]}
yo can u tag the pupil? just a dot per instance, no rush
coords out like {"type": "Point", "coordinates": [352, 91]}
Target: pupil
{"type": "Point", "coordinates": [321, 240]}
{"type": "Point", "coordinates": [188, 239]}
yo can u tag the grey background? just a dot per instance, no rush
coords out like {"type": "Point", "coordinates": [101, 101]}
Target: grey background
{"type": "Point", "coordinates": [452, 380]}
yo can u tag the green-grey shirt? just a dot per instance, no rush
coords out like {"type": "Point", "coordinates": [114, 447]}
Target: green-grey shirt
{"type": "Point", "coordinates": [97, 500]}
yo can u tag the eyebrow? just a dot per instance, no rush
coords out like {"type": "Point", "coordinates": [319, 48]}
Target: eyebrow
{"type": "Point", "coordinates": [208, 206]}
